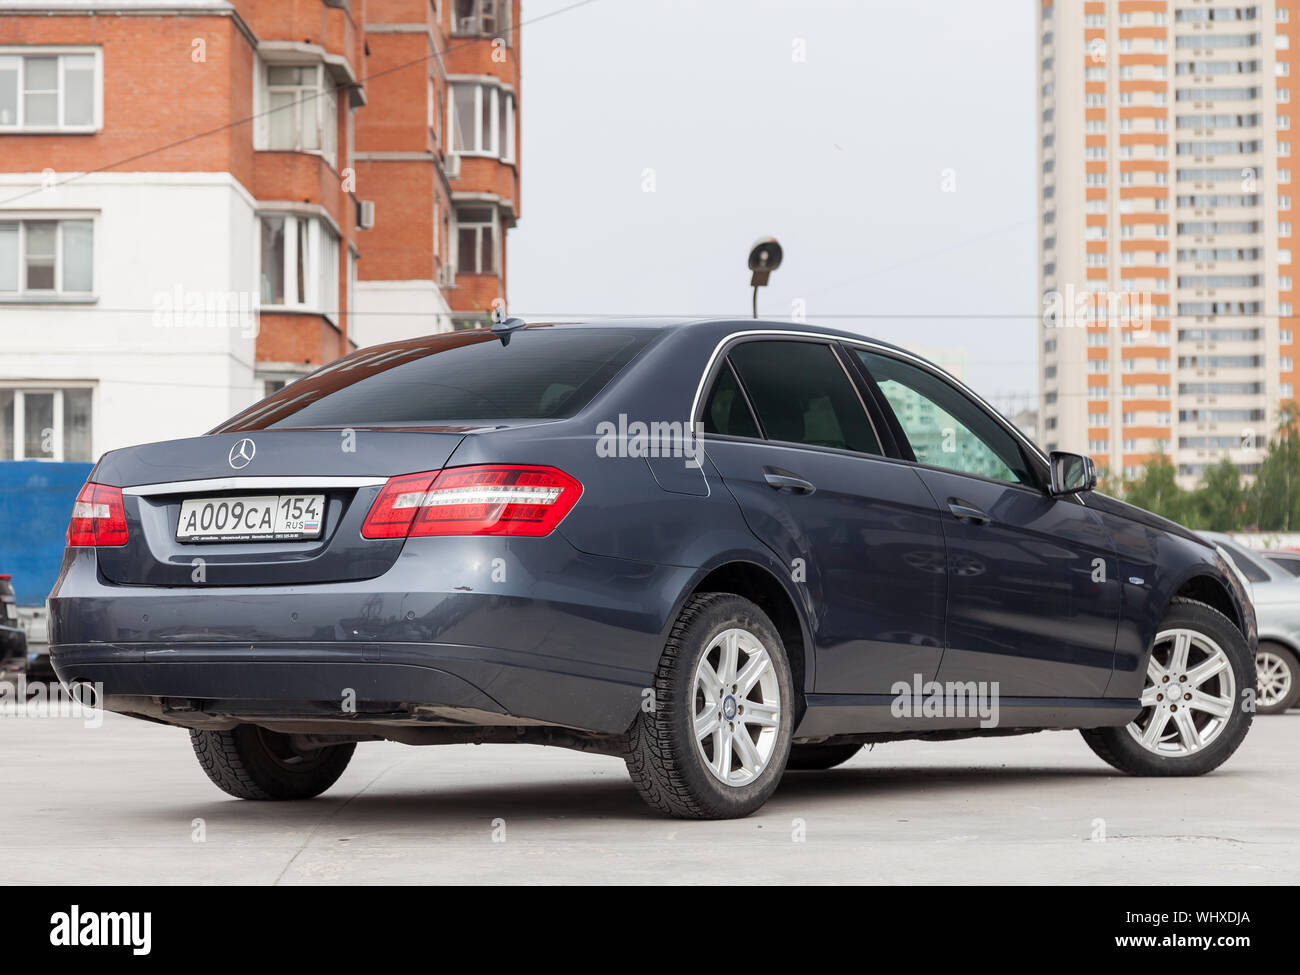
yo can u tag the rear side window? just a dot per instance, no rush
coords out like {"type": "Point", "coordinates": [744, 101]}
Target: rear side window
{"type": "Point", "coordinates": [803, 395]}
{"type": "Point", "coordinates": [539, 373]}
{"type": "Point", "coordinates": [726, 412]}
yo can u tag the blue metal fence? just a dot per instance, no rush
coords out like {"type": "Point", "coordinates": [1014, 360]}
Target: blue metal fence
{"type": "Point", "coordinates": [35, 501]}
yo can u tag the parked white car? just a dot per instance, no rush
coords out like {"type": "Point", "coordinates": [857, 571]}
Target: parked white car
{"type": "Point", "coordinates": [1276, 593]}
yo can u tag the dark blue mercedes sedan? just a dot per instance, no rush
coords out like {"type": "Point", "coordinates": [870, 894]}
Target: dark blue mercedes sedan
{"type": "Point", "coordinates": [717, 550]}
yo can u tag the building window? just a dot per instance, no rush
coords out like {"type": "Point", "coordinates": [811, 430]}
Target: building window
{"type": "Point", "coordinates": [300, 257]}
{"type": "Point", "coordinates": [491, 17]}
{"type": "Point", "coordinates": [482, 121]}
{"type": "Point", "coordinates": [301, 110]}
{"type": "Point", "coordinates": [45, 424]}
{"type": "Point", "coordinates": [50, 91]}
{"type": "Point", "coordinates": [476, 240]}
{"type": "Point", "coordinates": [46, 257]}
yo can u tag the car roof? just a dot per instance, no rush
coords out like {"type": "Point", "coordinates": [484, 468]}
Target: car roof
{"type": "Point", "coordinates": [718, 324]}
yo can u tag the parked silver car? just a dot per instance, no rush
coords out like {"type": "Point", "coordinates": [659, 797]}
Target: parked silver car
{"type": "Point", "coordinates": [1276, 593]}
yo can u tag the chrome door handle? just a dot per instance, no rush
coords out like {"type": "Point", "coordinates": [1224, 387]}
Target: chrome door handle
{"type": "Point", "coordinates": [965, 512]}
{"type": "Point", "coordinates": [785, 481]}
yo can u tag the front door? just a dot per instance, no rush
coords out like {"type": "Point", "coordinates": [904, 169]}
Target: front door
{"type": "Point", "coordinates": [1033, 598]}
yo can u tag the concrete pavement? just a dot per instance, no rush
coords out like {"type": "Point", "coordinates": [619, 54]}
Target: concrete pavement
{"type": "Point", "coordinates": [126, 803]}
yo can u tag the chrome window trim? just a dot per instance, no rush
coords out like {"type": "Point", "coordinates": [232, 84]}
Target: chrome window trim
{"type": "Point", "coordinates": [250, 483]}
{"type": "Point", "coordinates": [874, 347]}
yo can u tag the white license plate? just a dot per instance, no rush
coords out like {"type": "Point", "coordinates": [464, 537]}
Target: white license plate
{"type": "Point", "coordinates": [267, 518]}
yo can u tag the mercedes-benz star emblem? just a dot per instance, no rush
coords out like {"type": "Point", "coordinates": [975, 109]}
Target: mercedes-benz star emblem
{"type": "Point", "coordinates": [241, 454]}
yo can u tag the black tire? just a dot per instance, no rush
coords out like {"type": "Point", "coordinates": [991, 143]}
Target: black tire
{"type": "Point", "coordinates": [249, 762]}
{"type": "Point", "coordinates": [666, 765]}
{"type": "Point", "coordinates": [815, 758]}
{"type": "Point", "coordinates": [1289, 661]}
{"type": "Point", "coordinates": [1119, 748]}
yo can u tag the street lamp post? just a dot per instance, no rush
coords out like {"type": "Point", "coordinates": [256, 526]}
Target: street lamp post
{"type": "Point", "coordinates": [764, 258]}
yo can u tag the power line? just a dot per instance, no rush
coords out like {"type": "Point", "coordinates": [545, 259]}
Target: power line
{"type": "Point", "coordinates": [515, 28]}
{"type": "Point", "coordinates": [578, 316]}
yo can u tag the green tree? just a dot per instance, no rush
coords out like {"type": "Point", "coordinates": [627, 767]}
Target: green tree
{"type": "Point", "coordinates": [1157, 490]}
{"type": "Point", "coordinates": [1275, 497]}
{"type": "Point", "coordinates": [1219, 501]}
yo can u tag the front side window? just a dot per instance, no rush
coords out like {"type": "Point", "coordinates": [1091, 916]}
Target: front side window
{"type": "Point", "coordinates": [49, 91]}
{"type": "Point", "coordinates": [802, 395]}
{"type": "Point", "coordinates": [46, 257]}
{"type": "Point", "coordinates": [45, 424]}
{"type": "Point", "coordinates": [944, 427]}
{"type": "Point", "coordinates": [302, 110]}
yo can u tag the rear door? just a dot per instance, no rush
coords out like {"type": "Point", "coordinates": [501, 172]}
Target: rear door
{"type": "Point", "coordinates": [1033, 602]}
{"type": "Point", "coordinates": [792, 439]}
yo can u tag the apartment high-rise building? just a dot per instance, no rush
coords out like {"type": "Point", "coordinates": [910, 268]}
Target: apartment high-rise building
{"type": "Point", "coordinates": [1166, 268]}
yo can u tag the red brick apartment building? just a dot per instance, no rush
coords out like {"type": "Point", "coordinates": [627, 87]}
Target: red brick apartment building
{"type": "Point", "coordinates": [346, 169]}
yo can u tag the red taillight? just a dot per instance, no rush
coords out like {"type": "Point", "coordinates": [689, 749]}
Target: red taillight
{"type": "Point", "coordinates": [390, 516]}
{"type": "Point", "coordinates": [483, 500]}
{"type": "Point", "coordinates": [98, 517]}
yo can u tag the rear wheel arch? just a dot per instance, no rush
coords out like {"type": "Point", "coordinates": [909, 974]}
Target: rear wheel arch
{"type": "Point", "coordinates": [762, 588]}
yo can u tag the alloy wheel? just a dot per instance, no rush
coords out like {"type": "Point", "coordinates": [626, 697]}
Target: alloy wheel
{"type": "Point", "coordinates": [1189, 695]}
{"type": "Point", "coordinates": [1273, 679]}
{"type": "Point", "coordinates": [737, 707]}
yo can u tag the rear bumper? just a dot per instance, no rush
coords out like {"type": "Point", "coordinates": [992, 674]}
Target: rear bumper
{"type": "Point", "coordinates": [349, 683]}
{"type": "Point", "coordinates": [468, 631]}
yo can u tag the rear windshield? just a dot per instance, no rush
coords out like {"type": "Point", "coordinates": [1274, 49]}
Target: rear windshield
{"type": "Point", "coordinates": [539, 373]}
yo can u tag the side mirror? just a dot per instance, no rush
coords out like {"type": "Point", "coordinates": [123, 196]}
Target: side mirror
{"type": "Point", "coordinates": [1071, 473]}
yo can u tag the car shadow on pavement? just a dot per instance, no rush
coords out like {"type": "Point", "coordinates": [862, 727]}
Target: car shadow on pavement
{"type": "Point", "coordinates": [611, 798]}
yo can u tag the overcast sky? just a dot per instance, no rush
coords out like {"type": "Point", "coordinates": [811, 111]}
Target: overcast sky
{"type": "Point", "coordinates": [841, 156]}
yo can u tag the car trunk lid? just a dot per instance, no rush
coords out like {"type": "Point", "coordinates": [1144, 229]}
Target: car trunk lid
{"type": "Point", "coordinates": [344, 468]}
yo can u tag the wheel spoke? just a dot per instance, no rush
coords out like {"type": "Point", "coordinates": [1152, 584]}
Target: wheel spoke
{"type": "Point", "coordinates": [1155, 670]}
{"type": "Point", "coordinates": [1156, 728]}
{"type": "Point", "coordinates": [706, 722]}
{"type": "Point", "coordinates": [707, 680]}
{"type": "Point", "coordinates": [1187, 729]}
{"type": "Point", "coordinates": [727, 660]}
{"type": "Point", "coordinates": [746, 751]}
{"type": "Point", "coordinates": [1217, 706]}
{"type": "Point", "coordinates": [722, 752]}
{"type": "Point", "coordinates": [1206, 669]}
{"type": "Point", "coordinates": [751, 674]}
{"type": "Point", "coordinates": [1182, 648]}
{"type": "Point", "coordinates": [763, 715]}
